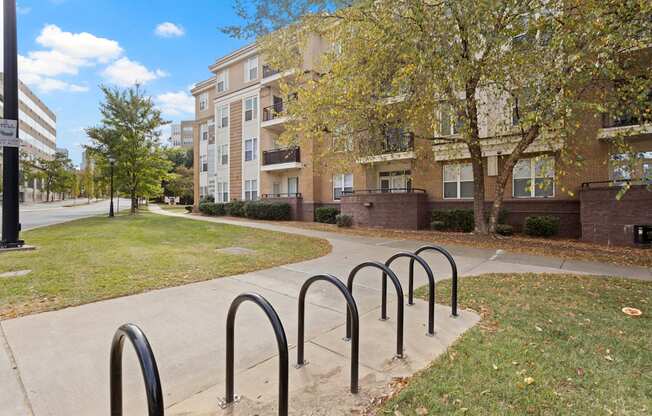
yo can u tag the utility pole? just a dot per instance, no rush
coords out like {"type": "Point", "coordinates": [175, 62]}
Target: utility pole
{"type": "Point", "coordinates": [10, 218]}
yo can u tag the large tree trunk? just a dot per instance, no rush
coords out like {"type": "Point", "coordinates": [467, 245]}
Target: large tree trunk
{"type": "Point", "coordinates": [475, 149]}
{"type": "Point", "coordinates": [134, 201]}
{"type": "Point", "coordinates": [505, 173]}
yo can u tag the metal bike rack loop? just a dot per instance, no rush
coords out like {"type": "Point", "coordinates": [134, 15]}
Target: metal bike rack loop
{"type": "Point", "coordinates": [281, 341]}
{"type": "Point", "coordinates": [399, 304]}
{"type": "Point", "coordinates": [431, 287]}
{"type": "Point", "coordinates": [147, 365]}
{"type": "Point", "coordinates": [352, 310]}
{"type": "Point", "coordinates": [450, 259]}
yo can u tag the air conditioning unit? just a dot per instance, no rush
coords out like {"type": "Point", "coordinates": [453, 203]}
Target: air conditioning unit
{"type": "Point", "coordinates": [643, 235]}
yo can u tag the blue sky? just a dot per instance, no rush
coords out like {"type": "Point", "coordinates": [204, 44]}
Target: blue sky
{"type": "Point", "coordinates": [69, 47]}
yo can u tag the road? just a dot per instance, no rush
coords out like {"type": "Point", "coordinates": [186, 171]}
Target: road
{"type": "Point", "coordinates": [39, 215]}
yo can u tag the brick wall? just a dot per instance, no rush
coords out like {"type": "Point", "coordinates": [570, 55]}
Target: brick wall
{"type": "Point", "coordinates": [607, 220]}
{"type": "Point", "coordinates": [389, 210]}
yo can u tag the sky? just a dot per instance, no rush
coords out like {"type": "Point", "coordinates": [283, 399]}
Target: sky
{"type": "Point", "coordinates": [68, 48]}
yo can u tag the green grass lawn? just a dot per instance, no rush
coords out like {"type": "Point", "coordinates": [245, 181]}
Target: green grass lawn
{"type": "Point", "coordinates": [98, 258]}
{"type": "Point", "coordinates": [547, 345]}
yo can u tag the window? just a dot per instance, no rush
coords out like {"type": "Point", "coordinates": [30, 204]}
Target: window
{"type": "Point", "coordinates": [630, 167]}
{"type": "Point", "coordinates": [222, 192]}
{"type": "Point", "coordinates": [293, 186]}
{"type": "Point", "coordinates": [251, 69]}
{"type": "Point", "coordinates": [222, 81]}
{"type": "Point", "coordinates": [342, 183]}
{"type": "Point", "coordinates": [276, 189]}
{"type": "Point", "coordinates": [449, 123]}
{"type": "Point", "coordinates": [342, 141]}
{"type": "Point", "coordinates": [251, 190]}
{"type": "Point", "coordinates": [203, 162]}
{"type": "Point", "coordinates": [223, 154]}
{"type": "Point", "coordinates": [251, 149]}
{"type": "Point", "coordinates": [223, 116]}
{"type": "Point", "coordinates": [534, 178]}
{"type": "Point", "coordinates": [211, 133]}
{"type": "Point", "coordinates": [251, 108]}
{"type": "Point", "coordinates": [458, 181]}
{"type": "Point", "coordinates": [204, 132]}
{"type": "Point", "coordinates": [203, 101]}
{"type": "Point", "coordinates": [397, 181]}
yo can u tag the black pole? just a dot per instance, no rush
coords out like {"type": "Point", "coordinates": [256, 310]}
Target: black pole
{"type": "Point", "coordinates": [399, 300]}
{"type": "Point", "coordinates": [352, 310]}
{"type": "Point", "coordinates": [147, 365]}
{"type": "Point", "coordinates": [281, 342]}
{"type": "Point", "coordinates": [10, 218]}
{"type": "Point", "coordinates": [450, 259]}
{"type": "Point", "coordinates": [111, 204]}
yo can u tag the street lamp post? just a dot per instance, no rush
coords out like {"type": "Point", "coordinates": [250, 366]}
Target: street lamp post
{"type": "Point", "coordinates": [10, 214]}
{"type": "Point", "coordinates": [112, 163]}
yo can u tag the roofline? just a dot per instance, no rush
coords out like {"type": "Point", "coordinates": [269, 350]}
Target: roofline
{"type": "Point", "coordinates": [234, 56]}
{"type": "Point", "coordinates": [202, 85]}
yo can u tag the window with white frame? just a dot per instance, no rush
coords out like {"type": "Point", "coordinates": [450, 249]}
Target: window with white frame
{"type": "Point", "coordinates": [395, 181]}
{"type": "Point", "coordinates": [223, 154]}
{"type": "Point", "coordinates": [251, 69]}
{"type": "Point", "coordinates": [251, 149]}
{"type": "Point", "coordinates": [251, 108]}
{"type": "Point", "coordinates": [251, 190]}
{"type": "Point", "coordinates": [222, 192]}
{"type": "Point", "coordinates": [458, 181]}
{"type": "Point", "coordinates": [223, 116]}
{"type": "Point", "coordinates": [203, 163]}
{"type": "Point", "coordinates": [293, 185]}
{"type": "Point", "coordinates": [204, 132]}
{"type": "Point", "coordinates": [203, 101]}
{"type": "Point", "coordinates": [534, 178]}
{"type": "Point", "coordinates": [222, 81]}
{"type": "Point", "coordinates": [342, 183]}
{"type": "Point", "coordinates": [449, 122]}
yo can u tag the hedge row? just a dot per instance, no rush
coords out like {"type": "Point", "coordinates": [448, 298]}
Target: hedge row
{"type": "Point", "coordinates": [254, 210]}
{"type": "Point", "coordinates": [327, 215]}
{"type": "Point", "coordinates": [463, 220]}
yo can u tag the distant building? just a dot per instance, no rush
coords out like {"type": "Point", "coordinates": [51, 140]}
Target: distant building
{"type": "Point", "coordinates": [63, 151]}
{"type": "Point", "coordinates": [37, 130]}
{"type": "Point", "coordinates": [181, 134]}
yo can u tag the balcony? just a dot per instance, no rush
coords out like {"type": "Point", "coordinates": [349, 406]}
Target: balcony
{"type": "Point", "coordinates": [273, 76]}
{"type": "Point", "coordinates": [398, 145]}
{"type": "Point", "coordinates": [268, 71]}
{"type": "Point", "coordinates": [273, 117]}
{"type": "Point", "coordinates": [624, 125]}
{"type": "Point", "coordinates": [281, 159]}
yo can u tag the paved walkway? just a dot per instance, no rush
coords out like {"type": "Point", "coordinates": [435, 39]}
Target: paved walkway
{"type": "Point", "coordinates": [56, 363]}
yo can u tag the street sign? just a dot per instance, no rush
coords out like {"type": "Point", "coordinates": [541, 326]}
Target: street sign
{"type": "Point", "coordinates": [8, 133]}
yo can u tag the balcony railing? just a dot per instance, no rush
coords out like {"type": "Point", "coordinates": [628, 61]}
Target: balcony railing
{"type": "Point", "coordinates": [269, 71]}
{"type": "Point", "coordinates": [398, 143]}
{"type": "Point", "coordinates": [623, 120]}
{"type": "Point", "coordinates": [282, 195]}
{"type": "Point", "coordinates": [277, 156]}
{"type": "Point", "coordinates": [273, 111]}
{"type": "Point", "coordinates": [617, 182]}
{"type": "Point", "coordinates": [384, 191]}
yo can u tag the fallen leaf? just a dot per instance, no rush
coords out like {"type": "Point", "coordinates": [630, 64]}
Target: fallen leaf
{"type": "Point", "coordinates": [580, 372]}
{"type": "Point", "coordinates": [422, 411]}
{"type": "Point", "coordinates": [608, 358]}
{"type": "Point", "coordinates": [632, 311]}
{"type": "Point", "coordinates": [528, 380]}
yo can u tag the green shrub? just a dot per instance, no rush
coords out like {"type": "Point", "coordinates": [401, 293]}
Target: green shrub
{"type": "Point", "coordinates": [504, 229]}
{"type": "Point", "coordinates": [326, 215]}
{"type": "Point", "coordinates": [438, 225]}
{"type": "Point", "coordinates": [344, 220]}
{"type": "Point", "coordinates": [189, 208]}
{"type": "Point", "coordinates": [503, 214]}
{"type": "Point", "coordinates": [541, 226]}
{"type": "Point", "coordinates": [210, 208]}
{"type": "Point", "coordinates": [207, 198]}
{"type": "Point", "coordinates": [441, 216]}
{"type": "Point", "coordinates": [234, 209]}
{"type": "Point", "coordinates": [267, 211]}
{"type": "Point", "coordinates": [454, 220]}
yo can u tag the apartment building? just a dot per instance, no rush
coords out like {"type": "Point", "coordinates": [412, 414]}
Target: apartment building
{"type": "Point", "coordinates": [182, 134]}
{"type": "Point", "coordinates": [240, 116]}
{"type": "Point", "coordinates": [38, 135]}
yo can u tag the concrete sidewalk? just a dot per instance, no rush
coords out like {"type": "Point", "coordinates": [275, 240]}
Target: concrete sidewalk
{"type": "Point", "coordinates": [61, 357]}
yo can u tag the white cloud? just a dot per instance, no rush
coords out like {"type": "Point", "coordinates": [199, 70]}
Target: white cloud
{"type": "Point", "coordinates": [46, 84]}
{"type": "Point", "coordinates": [176, 103]}
{"type": "Point", "coordinates": [125, 73]}
{"type": "Point", "coordinates": [83, 46]}
{"type": "Point", "coordinates": [169, 30]}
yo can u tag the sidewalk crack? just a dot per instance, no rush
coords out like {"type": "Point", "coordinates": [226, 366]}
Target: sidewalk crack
{"type": "Point", "coordinates": [14, 366]}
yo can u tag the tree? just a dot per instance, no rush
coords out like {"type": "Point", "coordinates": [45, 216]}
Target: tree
{"type": "Point", "coordinates": [129, 133]}
{"type": "Point", "coordinates": [55, 172]}
{"type": "Point", "coordinates": [179, 156]}
{"type": "Point", "coordinates": [425, 65]}
{"type": "Point", "coordinates": [181, 184]}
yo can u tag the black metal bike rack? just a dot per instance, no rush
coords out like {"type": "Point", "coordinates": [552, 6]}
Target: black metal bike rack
{"type": "Point", "coordinates": [431, 287]}
{"type": "Point", "coordinates": [399, 304]}
{"type": "Point", "coordinates": [281, 341]}
{"type": "Point", "coordinates": [147, 365]}
{"type": "Point", "coordinates": [450, 259]}
{"type": "Point", "coordinates": [352, 310]}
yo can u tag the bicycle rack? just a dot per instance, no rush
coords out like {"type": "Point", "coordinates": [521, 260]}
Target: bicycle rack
{"type": "Point", "coordinates": [399, 305]}
{"type": "Point", "coordinates": [352, 309]}
{"type": "Point", "coordinates": [431, 287]}
{"type": "Point", "coordinates": [450, 259]}
{"type": "Point", "coordinates": [147, 366]}
{"type": "Point", "coordinates": [281, 341]}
